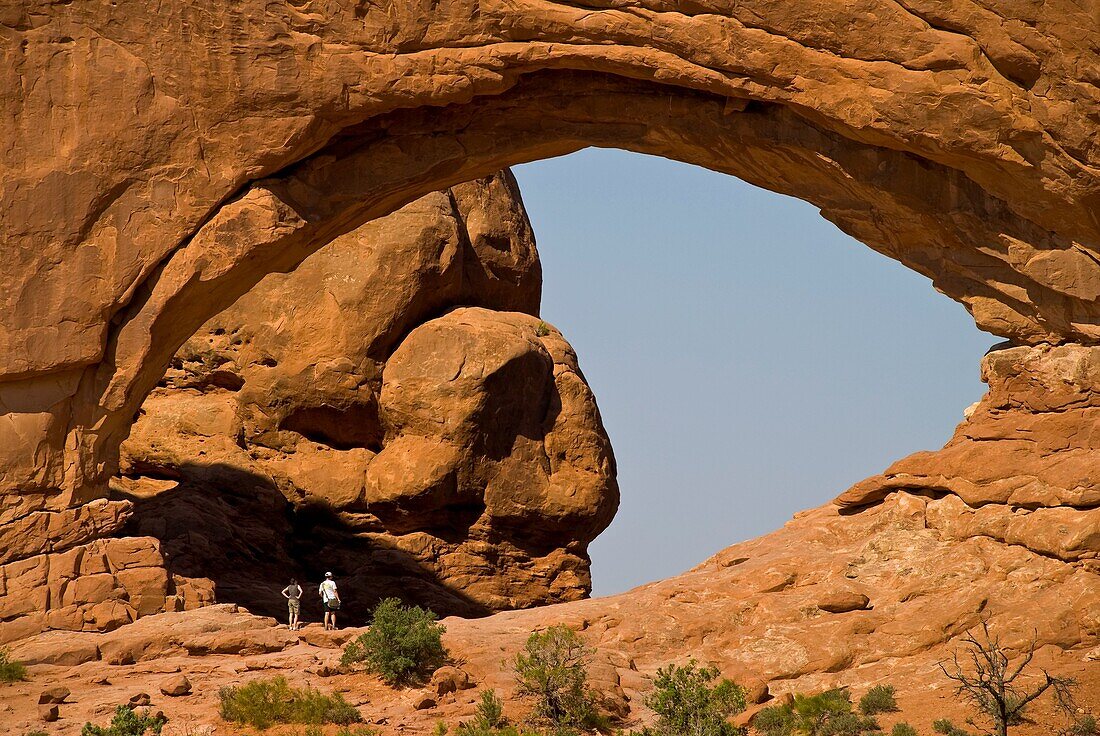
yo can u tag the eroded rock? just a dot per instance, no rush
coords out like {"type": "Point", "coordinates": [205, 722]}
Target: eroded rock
{"type": "Point", "coordinates": [176, 686]}
{"type": "Point", "coordinates": [1022, 466]}
{"type": "Point", "coordinates": [303, 422]}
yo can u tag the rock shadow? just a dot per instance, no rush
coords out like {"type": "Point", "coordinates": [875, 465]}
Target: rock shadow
{"type": "Point", "coordinates": [235, 528]}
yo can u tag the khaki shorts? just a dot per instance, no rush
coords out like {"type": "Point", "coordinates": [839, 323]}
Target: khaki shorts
{"type": "Point", "coordinates": [294, 605]}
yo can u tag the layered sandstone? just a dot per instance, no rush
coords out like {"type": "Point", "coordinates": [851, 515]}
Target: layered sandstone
{"type": "Point", "coordinates": [1022, 468]}
{"type": "Point", "coordinates": [160, 161]}
{"type": "Point", "coordinates": [348, 417]}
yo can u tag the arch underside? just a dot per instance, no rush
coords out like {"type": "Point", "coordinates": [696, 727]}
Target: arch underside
{"type": "Point", "coordinates": [930, 217]}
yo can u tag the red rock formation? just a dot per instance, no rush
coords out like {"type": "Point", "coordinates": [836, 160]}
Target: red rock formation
{"type": "Point", "coordinates": [297, 431]}
{"type": "Point", "coordinates": [1022, 468]}
{"type": "Point", "coordinates": [959, 140]}
{"type": "Point", "coordinates": [159, 161]}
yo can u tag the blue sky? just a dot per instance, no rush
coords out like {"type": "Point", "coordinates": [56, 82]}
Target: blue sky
{"type": "Point", "coordinates": [749, 359]}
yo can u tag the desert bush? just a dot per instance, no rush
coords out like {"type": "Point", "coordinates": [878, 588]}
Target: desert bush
{"type": "Point", "coordinates": [471, 730]}
{"type": "Point", "coordinates": [826, 714]}
{"type": "Point", "coordinates": [688, 704]}
{"type": "Point", "coordinates": [127, 722]}
{"type": "Point", "coordinates": [404, 643]}
{"type": "Point", "coordinates": [489, 716]}
{"type": "Point", "coordinates": [11, 670]}
{"type": "Point", "coordinates": [903, 729]}
{"type": "Point", "coordinates": [879, 699]}
{"type": "Point", "coordinates": [265, 702]}
{"type": "Point", "coordinates": [552, 670]}
{"type": "Point", "coordinates": [1085, 725]}
{"type": "Point", "coordinates": [36, 733]}
{"type": "Point", "coordinates": [947, 728]}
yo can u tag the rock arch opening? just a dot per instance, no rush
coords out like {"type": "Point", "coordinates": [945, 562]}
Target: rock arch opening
{"type": "Point", "coordinates": [749, 359]}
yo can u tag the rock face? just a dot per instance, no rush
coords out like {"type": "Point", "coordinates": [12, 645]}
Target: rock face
{"type": "Point", "coordinates": [1023, 467]}
{"type": "Point", "coordinates": [327, 422]}
{"type": "Point", "coordinates": [957, 139]}
{"type": "Point", "coordinates": [158, 161]}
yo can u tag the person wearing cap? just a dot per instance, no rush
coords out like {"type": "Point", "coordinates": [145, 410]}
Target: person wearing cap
{"type": "Point", "coordinates": [330, 600]}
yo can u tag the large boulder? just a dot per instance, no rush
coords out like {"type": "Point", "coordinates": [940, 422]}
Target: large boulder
{"type": "Point", "coordinates": [327, 422]}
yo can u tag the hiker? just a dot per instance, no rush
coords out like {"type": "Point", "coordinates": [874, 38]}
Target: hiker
{"type": "Point", "coordinates": [330, 600]}
{"type": "Point", "coordinates": [293, 595]}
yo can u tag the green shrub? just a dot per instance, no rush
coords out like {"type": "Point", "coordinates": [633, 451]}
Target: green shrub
{"type": "Point", "coordinates": [879, 699]}
{"type": "Point", "coordinates": [947, 728]}
{"type": "Point", "coordinates": [903, 729]}
{"type": "Point", "coordinates": [127, 722]}
{"type": "Point", "coordinates": [265, 702]}
{"type": "Point", "coordinates": [489, 716]}
{"type": "Point", "coordinates": [10, 670]}
{"type": "Point", "coordinates": [36, 733]}
{"type": "Point", "coordinates": [552, 670]}
{"type": "Point", "coordinates": [776, 720]}
{"type": "Point", "coordinates": [686, 702]}
{"type": "Point", "coordinates": [825, 714]}
{"type": "Point", "coordinates": [404, 643]}
{"type": "Point", "coordinates": [470, 730]}
{"type": "Point", "coordinates": [1085, 725]}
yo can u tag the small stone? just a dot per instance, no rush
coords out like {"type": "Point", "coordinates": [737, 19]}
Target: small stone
{"type": "Point", "coordinates": [449, 679]}
{"type": "Point", "coordinates": [175, 686]}
{"type": "Point", "coordinates": [55, 694]}
{"type": "Point", "coordinates": [843, 601]}
{"type": "Point", "coordinates": [139, 700]}
{"type": "Point", "coordinates": [48, 713]}
{"type": "Point", "coordinates": [756, 691]}
{"type": "Point", "coordinates": [423, 701]}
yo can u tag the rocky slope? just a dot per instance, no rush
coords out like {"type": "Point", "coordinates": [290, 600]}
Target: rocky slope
{"type": "Point", "coordinates": [831, 599]}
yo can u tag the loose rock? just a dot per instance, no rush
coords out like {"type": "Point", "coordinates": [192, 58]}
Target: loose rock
{"type": "Point", "coordinates": [139, 700]}
{"type": "Point", "coordinates": [176, 686]}
{"type": "Point", "coordinates": [55, 694]}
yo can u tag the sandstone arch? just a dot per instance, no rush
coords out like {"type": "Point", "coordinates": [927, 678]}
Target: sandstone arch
{"type": "Point", "coordinates": [157, 166]}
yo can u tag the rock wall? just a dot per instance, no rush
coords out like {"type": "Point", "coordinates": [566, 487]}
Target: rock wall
{"type": "Point", "coordinates": [347, 417]}
{"type": "Point", "coordinates": [1023, 467]}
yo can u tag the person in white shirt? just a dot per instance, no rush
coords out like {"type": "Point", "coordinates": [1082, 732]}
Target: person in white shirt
{"type": "Point", "coordinates": [293, 595]}
{"type": "Point", "coordinates": [330, 600]}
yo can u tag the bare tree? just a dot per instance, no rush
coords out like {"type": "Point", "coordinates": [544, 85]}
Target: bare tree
{"type": "Point", "coordinates": [990, 684]}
